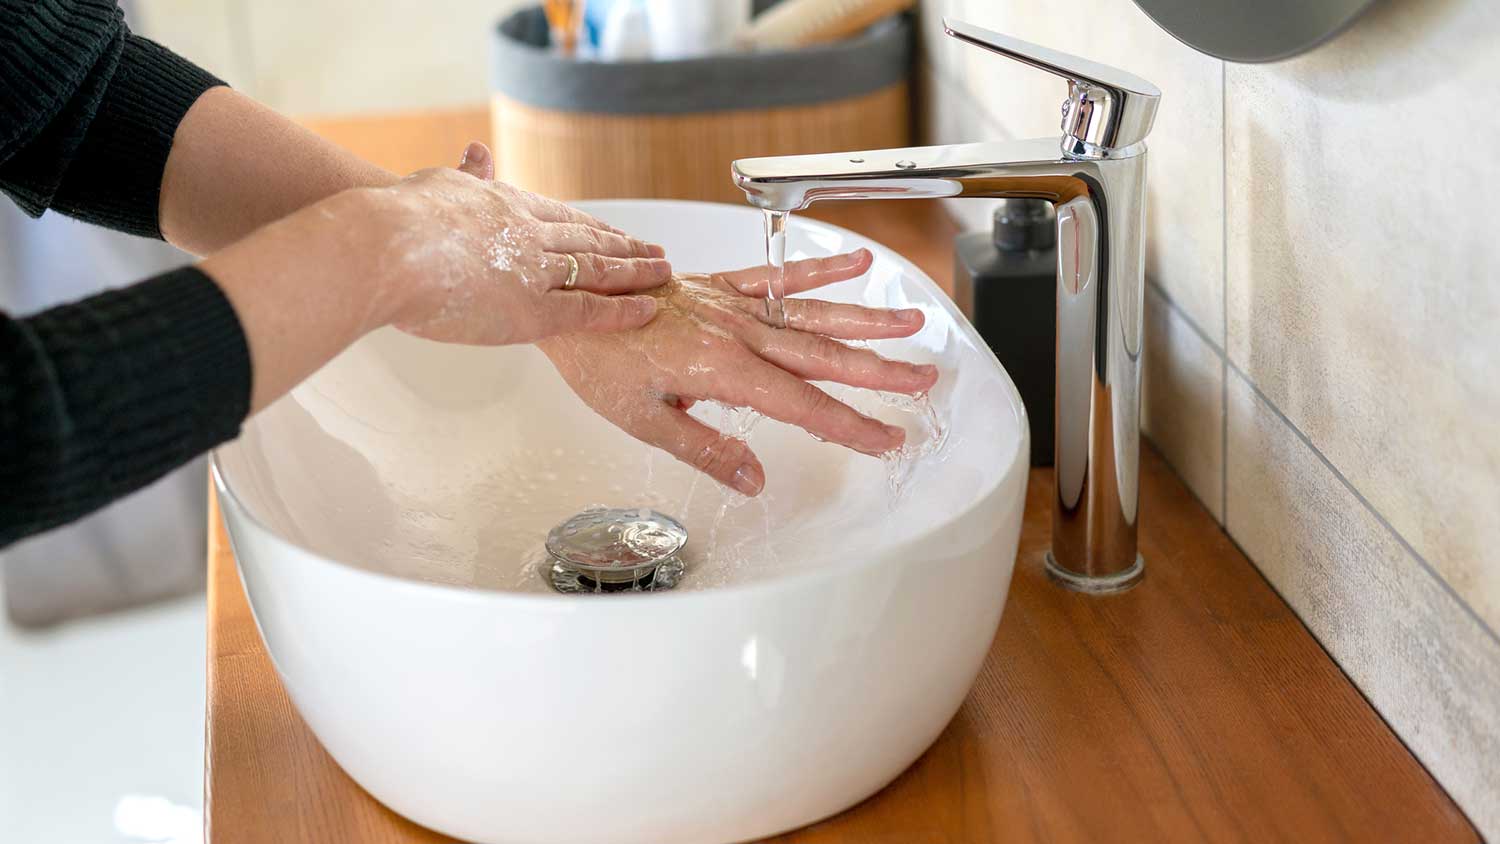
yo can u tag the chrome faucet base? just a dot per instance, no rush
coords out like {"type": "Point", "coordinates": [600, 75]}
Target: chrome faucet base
{"type": "Point", "coordinates": [1102, 584]}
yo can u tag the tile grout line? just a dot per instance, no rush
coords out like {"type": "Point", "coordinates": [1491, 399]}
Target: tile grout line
{"type": "Point", "coordinates": [1176, 308]}
{"type": "Point", "coordinates": [1228, 366]}
{"type": "Point", "coordinates": [1365, 503]}
{"type": "Point", "coordinates": [1224, 293]}
{"type": "Point", "coordinates": [1345, 672]}
{"type": "Point", "coordinates": [1159, 292]}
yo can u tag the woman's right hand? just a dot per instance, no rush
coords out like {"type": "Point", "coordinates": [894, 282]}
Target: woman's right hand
{"type": "Point", "coordinates": [481, 262]}
{"type": "Point", "coordinates": [713, 339]}
{"type": "Point", "coordinates": [446, 254]}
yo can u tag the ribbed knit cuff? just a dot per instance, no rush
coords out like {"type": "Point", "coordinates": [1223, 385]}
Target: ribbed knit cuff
{"type": "Point", "coordinates": [103, 396]}
{"type": "Point", "coordinates": [195, 334]}
{"type": "Point", "coordinates": [161, 374]}
{"type": "Point", "coordinates": [50, 47]}
{"type": "Point", "coordinates": [116, 178]}
{"type": "Point", "coordinates": [61, 55]}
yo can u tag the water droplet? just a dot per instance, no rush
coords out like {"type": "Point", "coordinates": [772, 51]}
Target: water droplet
{"type": "Point", "coordinates": [905, 164]}
{"type": "Point", "coordinates": [856, 161]}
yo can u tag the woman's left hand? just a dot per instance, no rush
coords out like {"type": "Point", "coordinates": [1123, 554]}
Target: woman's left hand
{"type": "Point", "coordinates": [713, 339]}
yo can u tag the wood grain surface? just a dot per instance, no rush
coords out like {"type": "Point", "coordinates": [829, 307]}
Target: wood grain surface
{"type": "Point", "coordinates": [575, 155]}
{"type": "Point", "coordinates": [1195, 707]}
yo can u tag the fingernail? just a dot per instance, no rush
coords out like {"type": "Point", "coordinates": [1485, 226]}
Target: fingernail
{"type": "Point", "coordinates": [926, 370]}
{"type": "Point", "coordinates": [656, 250]}
{"type": "Point", "coordinates": [647, 305]}
{"type": "Point", "coordinates": [662, 270]}
{"type": "Point", "coordinates": [909, 316]}
{"type": "Point", "coordinates": [476, 153]}
{"type": "Point", "coordinates": [898, 434]}
{"type": "Point", "coordinates": [748, 480]}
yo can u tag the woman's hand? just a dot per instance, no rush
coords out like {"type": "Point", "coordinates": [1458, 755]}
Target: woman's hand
{"type": "Point", "coordinates": [444, 254]}
{"type": "Point", "coordinates": [713, 339]}
{"type": "Point", "coordinates": [480, 262]}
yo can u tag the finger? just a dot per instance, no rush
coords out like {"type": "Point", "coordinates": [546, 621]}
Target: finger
{"type": "Point", "coordinates": [845, 322]}
{"type": "Point", "coordinates": [817, 358]}
{"type": "Point", "coordinates": [787, 398]}
{"type": "Point", "coordinates": [576, 238]}
{"type": "Point", "coordinates": [544, 208]}
{"type": "Point", "coordinates": [571, 311]}
{"type": "Point", "coordinates": [601, 274]}
{"type": "Point", "coordinates": [725, 459]}
{"type": "Point", "coordinates": [803, 275]}
{"type": "Point", "coordinates": [478, 162]}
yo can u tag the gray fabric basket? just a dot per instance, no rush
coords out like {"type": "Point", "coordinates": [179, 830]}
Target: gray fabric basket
{"type": "Point", "coordinates": [525, 69]}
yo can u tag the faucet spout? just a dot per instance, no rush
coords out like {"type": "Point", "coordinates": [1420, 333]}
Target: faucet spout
{"type": "Point", "coordinates": [1100, 288]}
{"type": "Point", "coordinates": [1035, 168]}
{"type": "Point", "coordinates": [1094, 174]}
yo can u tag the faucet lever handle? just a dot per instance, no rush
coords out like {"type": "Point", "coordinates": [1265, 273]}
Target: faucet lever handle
{"type": "Point", "coordinates": [1107, 110]}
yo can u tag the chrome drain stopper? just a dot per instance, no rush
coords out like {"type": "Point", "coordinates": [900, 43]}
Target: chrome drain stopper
{"type": "Point", "coordinates": [616, 550]}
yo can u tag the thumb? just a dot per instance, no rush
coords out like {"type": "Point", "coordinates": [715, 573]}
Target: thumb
{"type": "Point", "coordinates": [571, 311]}
{"type": "Point", "coordinates": [478, 162]}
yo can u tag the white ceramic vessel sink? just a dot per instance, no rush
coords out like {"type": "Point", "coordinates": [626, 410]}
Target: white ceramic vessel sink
{"type": "Point", "coordinates": [389, 516]}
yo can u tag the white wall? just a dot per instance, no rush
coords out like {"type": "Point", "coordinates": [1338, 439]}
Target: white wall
{"type": "Point", "coordinates": [328, 57]}
{"type": "Point", "coordinates": [1323, 325]}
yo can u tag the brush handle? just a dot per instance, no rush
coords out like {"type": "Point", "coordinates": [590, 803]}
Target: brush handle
{"type": "Point", "coordinates": [796, 23]}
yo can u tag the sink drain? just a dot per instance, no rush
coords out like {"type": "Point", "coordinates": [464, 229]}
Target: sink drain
{"type": "Point", "coordinates": [616, 550]}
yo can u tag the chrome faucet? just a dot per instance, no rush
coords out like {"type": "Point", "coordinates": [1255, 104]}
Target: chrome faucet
{"type": "Point", "coordinates": [1095, 177]}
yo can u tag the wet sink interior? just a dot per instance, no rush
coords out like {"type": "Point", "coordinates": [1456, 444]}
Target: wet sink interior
{"type": "Point", "coordinates": [390, 518]}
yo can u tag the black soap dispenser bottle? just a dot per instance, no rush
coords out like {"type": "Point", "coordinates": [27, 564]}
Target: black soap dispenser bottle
{"type": "Point", "coordinates": [1005, 281]}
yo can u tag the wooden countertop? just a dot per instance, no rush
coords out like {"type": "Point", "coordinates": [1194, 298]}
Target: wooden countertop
{"type": "Point", "coordinates": [1195, 706]}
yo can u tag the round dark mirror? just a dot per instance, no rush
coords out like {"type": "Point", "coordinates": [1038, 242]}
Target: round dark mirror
{"type": "Point", "coordinates": [1253, 30]}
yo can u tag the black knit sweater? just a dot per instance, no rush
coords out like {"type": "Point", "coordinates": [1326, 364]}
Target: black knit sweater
{"type": "Point", "coordinates": [102, 396]}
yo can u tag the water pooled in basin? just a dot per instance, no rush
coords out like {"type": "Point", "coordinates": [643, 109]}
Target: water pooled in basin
{"type": "Point", "coordinates": [473, 492]}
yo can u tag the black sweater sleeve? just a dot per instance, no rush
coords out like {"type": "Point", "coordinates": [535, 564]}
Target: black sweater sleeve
{"type": "Point", "coordinates": [88, 111]}
{"type": "Point", "coordinates": [103, 396]}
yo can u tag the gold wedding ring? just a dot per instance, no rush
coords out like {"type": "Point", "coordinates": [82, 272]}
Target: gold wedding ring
{"type": "Point", "coordinates": [572, 272]}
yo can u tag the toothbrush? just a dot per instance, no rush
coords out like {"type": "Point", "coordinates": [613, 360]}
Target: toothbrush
{"type": "Point", "coordinates": [564, 19]}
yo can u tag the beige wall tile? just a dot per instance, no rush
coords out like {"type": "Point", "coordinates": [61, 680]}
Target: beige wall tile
{"type": "Point", "coordinates": [1182, 404]}
{"type": "Point", "coordinates": [341, 56]}
{"type": "Point", "coordinates": [1427, 665]}
{"type": "Point", "coordinates": [1363, 289]}
{"type": "Point", "coordinates": [1184, 251]}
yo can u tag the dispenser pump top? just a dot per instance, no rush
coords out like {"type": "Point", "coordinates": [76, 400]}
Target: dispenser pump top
{"type": "Point", "coordinates": [1024, 225]}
